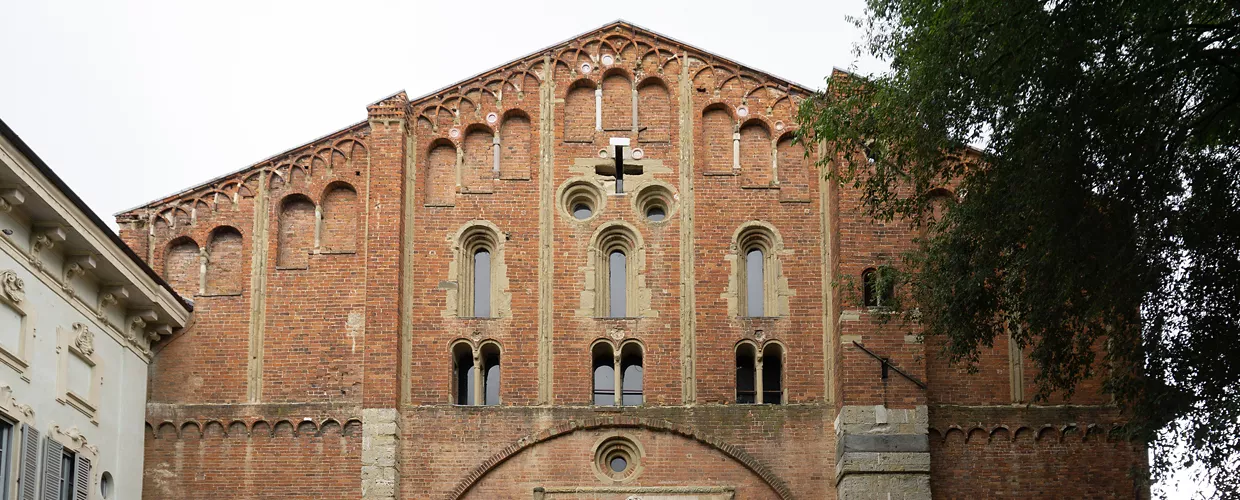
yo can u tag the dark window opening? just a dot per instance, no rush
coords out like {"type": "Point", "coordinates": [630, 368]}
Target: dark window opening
{"type": "Point", "coordinates": [772, 375]}
{"type": "Point", "coordinates": [604, 376]}
{"type": "Point", "coordinates": [463, 374]}
{"type": "Point", "coordinates": [490, 381]}
{"type": "Point", "coordinates": [746, 390]}
{"type": "Point", "coordinates": [656, 214]}
{"type": "Point", "coordinates": [6, 455]}
{"type": "Point", "coordinates": [66, 475]}
{"type": "Point", "coordinates": [581, 211]}
{"type": "Point", "coordinates": [876, 291]}
{"type": "Point", "coordinates": [631, 380]}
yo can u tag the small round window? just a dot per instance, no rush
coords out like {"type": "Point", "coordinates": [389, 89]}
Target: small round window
{"type": "Point", "coordinates": [582, 211]}
{"type": "Point", "coordinates": [656, 213]}
{"type": "Point", "coordinates": [654, 202]}
{"type": "Point", "coordinates": [580, 199]}
{"type": "Point", "coordinates": [617, 459]}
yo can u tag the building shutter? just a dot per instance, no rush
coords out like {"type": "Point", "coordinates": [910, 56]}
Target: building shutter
{"type": "Point", "coordinates": [53, 453]}
{"type": "Point", "coordinates": [29, 478]}
{"type": "Point", "coordinates": [81, 478]}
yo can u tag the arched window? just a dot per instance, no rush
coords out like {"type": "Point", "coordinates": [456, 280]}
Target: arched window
{"type": "Point", "coordinates": [463, 376]}
{"type": "Point", "coordinates": [295, 239]}
{"type": "Point", "coordinates": [476, 287]}
{"type": "Point", "coordinates": [757, 271]}
{"type": "Point", "coordinates": [182, 264]}
{"type": "Point", "coordinates": [616, 263]}
{"type": "Point", "coordinates": [604, 373]}
{"type": "Point", "coordinates": [482, 283]}
{"type": "Point", "coordinates": [490, 373]}
{"type": "Point", "coordinates": [631, 375]}
{"type": "Point", "coordinates": [626, 389]}
{"type": "Point", "coordinates": [746, 370]}
{"type": "Point", "coordinates": [617, 270]}
{"type": "Point", "coordinates": [759, 374]}
{"type": "Point", "coordinates": [877, 288]}
{"type": "Point", "coordinates": [224, 261]}
{"type": "Point", "coordinates": [772, 368]}
{"type": "Point", "coordinates": [755, 283]}
{"type": "Point", "coordinates": [475, 374]}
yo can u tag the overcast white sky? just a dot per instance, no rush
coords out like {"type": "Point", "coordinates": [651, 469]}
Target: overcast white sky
{"type": "Point", "coordinates": [130, 100]}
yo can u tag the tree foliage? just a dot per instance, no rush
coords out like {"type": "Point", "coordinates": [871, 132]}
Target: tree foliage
{"type": "Point", "coordinates": [1099, 218]}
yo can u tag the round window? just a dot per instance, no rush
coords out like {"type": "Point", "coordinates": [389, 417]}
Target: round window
{"type": "Point", "coordinates": [655, 202]}
{"type": "Point", "coordinates": [656, 213]}
{"type": "Point", "coordinates": [617, 459]}
{"type": "Point", "coordinates": [581, 199]}
{"type": "Point", "coordinates": [105, 485]}
{"type": "Point", "coordinates": [581, 211]}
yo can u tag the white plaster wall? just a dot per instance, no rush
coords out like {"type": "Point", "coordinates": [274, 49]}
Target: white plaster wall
{"type": "Point", "coordinates": [122, 395]}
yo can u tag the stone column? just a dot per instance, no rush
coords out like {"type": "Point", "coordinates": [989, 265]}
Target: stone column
{"type": "Point", "coordinates": [882, 453]}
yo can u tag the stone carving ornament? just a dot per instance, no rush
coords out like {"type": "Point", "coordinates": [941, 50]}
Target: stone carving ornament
{"type": "Point", "coordinates": [85, 340]}
{"type": "Point", "coordinates": [14, 287]}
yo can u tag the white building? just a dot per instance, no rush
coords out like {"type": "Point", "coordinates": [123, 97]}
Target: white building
{"type": "Point", "coordinates": [78, 311]}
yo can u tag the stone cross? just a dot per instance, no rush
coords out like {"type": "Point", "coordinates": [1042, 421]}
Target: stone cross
{"type": "Point", "coordinates": [620, 163]}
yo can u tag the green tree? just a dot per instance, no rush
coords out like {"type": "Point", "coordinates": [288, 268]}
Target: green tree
{"type": "Point", "coordinates": [1102, 202]}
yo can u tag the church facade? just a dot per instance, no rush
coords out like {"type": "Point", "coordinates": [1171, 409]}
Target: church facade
{"type": "Point", "coordinates": [604, 270]}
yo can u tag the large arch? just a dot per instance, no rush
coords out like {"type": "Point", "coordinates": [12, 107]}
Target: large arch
{"type": "Point", "coordinates": [621, 422]}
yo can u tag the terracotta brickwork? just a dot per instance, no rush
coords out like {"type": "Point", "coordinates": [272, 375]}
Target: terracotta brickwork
{"type": "Point", "coordinates": [337, 275]}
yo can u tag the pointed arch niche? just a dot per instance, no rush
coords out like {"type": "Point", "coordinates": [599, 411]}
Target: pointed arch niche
{"type": "Point", "coordinates": [716, 140]}
{"type": "Point", "coordinates": [516, 146]}
{"type": "Point", "coordinates": [757, 163]}
{"type": "Point", "coordinates": [579, 112]}
{"type": "Point", "coordinates": [341, 219]}
{"type": "Point", "coordinates": [478, 174]}
{"type": "Point", "coordinates": [439, 183]}
{"type": "Point", "coordinates": [223, 262]}
{"type": "Point", "coordinates": [654, 111]}
{"type": "Point", "coordinates": [295, 239]}
{"type": "Point", "coordinates": [182, 266]}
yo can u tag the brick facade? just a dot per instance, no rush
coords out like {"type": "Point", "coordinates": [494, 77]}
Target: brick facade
{"type": "Point", "coordinates": [320, 361]}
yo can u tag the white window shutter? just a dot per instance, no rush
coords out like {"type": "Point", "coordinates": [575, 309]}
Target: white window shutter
{"type": "Point", "coordinates": [29, 478]}
{"type": "Point", "coordinates": [81, 478]}
{"type": "Point", "coordinates": [53, 453]}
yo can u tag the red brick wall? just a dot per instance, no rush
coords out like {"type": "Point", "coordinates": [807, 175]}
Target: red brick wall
{"type": "Point", "coordinates": [253, 458]}
{"type": "Point", "coordinates": [333, 313]}
{"type": "Point", "coordinates": [792, 445]}
{"type": "Point", "coordinates": [1034, 465]}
